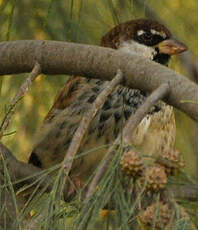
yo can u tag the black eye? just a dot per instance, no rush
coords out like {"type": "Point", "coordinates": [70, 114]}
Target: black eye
{"type": "Point", "coordinates": [147, 36]}
{"type": "Point", "coordinates": [149, 39]}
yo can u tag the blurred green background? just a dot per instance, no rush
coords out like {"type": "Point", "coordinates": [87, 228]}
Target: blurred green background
{"type": "Point", "coordinates": [85, 21]}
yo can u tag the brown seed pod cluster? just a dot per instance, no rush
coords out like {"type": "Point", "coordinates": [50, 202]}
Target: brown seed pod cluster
{"type": "Point", "coordinates": [131, 163]}
{"type": "Point", "coordinates": [172, 161]}
{"type": "Point", "coordinates": [155, 175]}
{"type": "Point", "coordinates": [155, 178]}
{"type": "Point", "coordinates": [158, 214]}
{"type": "Point", "coordinates": [161, 215]}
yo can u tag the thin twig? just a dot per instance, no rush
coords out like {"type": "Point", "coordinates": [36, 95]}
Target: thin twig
{"type": "Point", "coordinates": [22, 90]}
{"type": "Point", "coordinates": [133, 121]}
{"type": "Point", "coordinates": [86, 120]}
{"type": "Point", "coordinates": [185, 192]}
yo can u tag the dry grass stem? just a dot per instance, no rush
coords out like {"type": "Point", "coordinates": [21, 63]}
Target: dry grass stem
{"type": "Point", "coordinates": [22, 90]}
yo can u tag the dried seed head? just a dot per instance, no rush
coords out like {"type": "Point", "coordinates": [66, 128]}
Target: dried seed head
{"type": "Point", "coordinates": [163, 216]}
{"type": "Point", "coordinates": [172, 161]}
{"type": "Point", "coordinates": [131, 163]}
{"type": "Point", "coordinates": [155, 178]}
{"type": "Point", "coordinates": [157, 214]}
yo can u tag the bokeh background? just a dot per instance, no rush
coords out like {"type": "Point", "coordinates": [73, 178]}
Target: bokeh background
{"type": "Point", "coordinates": [85, 21]}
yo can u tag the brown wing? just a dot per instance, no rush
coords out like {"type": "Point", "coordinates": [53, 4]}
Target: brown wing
{"type": "Point", "coordinates": [63, 120]}
{"type": "Point", "coordinates": [65, 97]}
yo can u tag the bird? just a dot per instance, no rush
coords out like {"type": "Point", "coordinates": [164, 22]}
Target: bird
{"type": "Point", "coordinates": [155, 133]}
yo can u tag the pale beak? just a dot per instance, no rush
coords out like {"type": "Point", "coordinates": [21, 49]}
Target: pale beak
{"type": "Point", "coordinates": [171, 47]}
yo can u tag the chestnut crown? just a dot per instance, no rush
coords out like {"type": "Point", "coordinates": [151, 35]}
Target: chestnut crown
{"type": "Point", "coordinates": [144, 31]}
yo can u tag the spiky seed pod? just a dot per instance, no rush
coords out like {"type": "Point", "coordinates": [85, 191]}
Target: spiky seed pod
{"type": "Point", "coordinates": [131, 163]}
{"type": "Point", "coordinates": [155, 178]}
{"type": "Point", "coordinates": [164, 216]}
{"type": "Point", "coordinates": [158, 213]}
{"type": "Point", "coordinates": [183, 218]}
{"type": "Point", "coordinates": [172, 161]}
{"type": "Point", "coordinates": [182, 214]}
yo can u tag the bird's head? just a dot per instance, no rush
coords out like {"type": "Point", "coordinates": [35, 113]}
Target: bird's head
{"type": "Point", "coordinates": [144, 37]}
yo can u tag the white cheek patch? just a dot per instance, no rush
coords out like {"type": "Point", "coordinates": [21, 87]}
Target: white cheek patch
{"type": "Point", "coordinates": [160, 33]}
{"type": "Point", "coordinates": [133, 47]}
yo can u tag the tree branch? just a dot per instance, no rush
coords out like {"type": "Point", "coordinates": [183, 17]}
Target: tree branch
{"type": "Point", "coordinates": [98, 62]}
{"type": "Point", "coordinates": [19, 170]}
